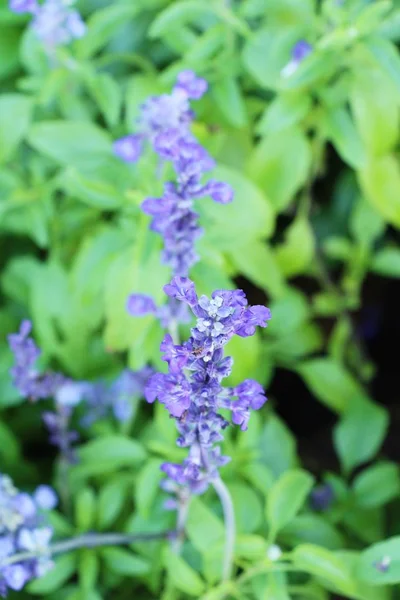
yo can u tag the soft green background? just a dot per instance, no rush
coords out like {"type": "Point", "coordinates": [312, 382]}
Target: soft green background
{"type": "Point", "coordinates": [74, 244]}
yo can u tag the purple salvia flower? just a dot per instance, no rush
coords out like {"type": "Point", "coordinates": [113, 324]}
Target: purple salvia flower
{"type": "Point", "coordinates": [23, 6]}
{"type": "Point", "coordinates": [29, 381]}
{"type": "Point", "coordinates": [45, 497]}
{"type": "Point", "coordinates": [300, 51]}
{"type": "Point", "coordinates": [192, 391]}
{"type": "Point", "coordinates": [140, 304]}
{"type": "Point", "coordinates": [128, 148]}
{"type": "Point", "coordinates": [21, 529]}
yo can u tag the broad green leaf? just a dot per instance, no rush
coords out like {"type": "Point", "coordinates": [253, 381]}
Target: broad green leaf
{"type": "Point", "coordinates": [182, 576]}
{"type": "Point", "coordinates": [204, 529]}
{"type": "Point", "coordinates": [248, 508]}
{"type": "Point", "coordinates": [110, 502]}
{"type": "Point", "coordinates": [330, 382]}
{"type": "Point", "coordinates": [280, 164]}
{"type": "Point", "coordinates": [324, 564]}
{"type": "Point", "coordinates": [251, 547]}
{"type": "Point", "coordinates": [374, 103]}
{"type": "Point", "coordinates": [285, 111]}
{"type": "Point", "coordinates": [9, 44]}
{"type": "Point", "coordinates": [107, 93]}
{"type": "Point", "coordinates": [107, 453]}
{"type": "Point", "coordinates": [277, 446]}
{"type": "Point", "coordinates": [296, 253]}
{"type": "Point", "coordinates": [312, 529]}
{"type": "Point", "coordinates": [377, 485]}
{"type": "Point", "coordinates": [340, 129]}
{"type": "Point", "coordinates": [85, 509]}
{"type": "Point", "coordinates": [147, 487]}
{"type": "Point", "coordinates": [289, 313]}
{"type": "Point", "coordinates": [380, 564]}
{"type": "Point", "coordinates": [71, 143]}
{"type": "Point", "coordinates": [124, 562]}
{"type": "Point", "coordinates": [62, 571]}
{"type": "Point", "coordinates": [15, 117]}
{"type": "Point", "coordinates": [248, 217]}
{"type": "Point", "coordinates": [360, 433]}
{"type": "Point", "coordinates": [366, 224]}
{"type": "Point", "coordinates": [246, 354]}
{"type": "Point", "coordinates": [258, 263]}
{"type": "Point", "coordinates": [386, 262]}
{"type": "Point", "coordinates": [88, 569]}
{"type": "Point", "coordinates": [91, 189]}
{"type": "Point", "coordinates": [380, 180]}
{"type": "Point", "coordinates": [386, 54]}
{"type": "Point", "coordinates": [286, 498]}
{"type": "Point", "coordinates": [230, 101]}
{"type": "Point", "coordinates": [178, 14]}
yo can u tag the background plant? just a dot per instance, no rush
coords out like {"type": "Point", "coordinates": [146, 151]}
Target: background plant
{"type": "Point", "coordinates": [309, 142]}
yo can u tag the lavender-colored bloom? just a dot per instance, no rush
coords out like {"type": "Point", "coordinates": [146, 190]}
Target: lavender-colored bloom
{"type": "Point", "coordinates": [140, 304]}
{"type": "Point", "coordinates": [21, 529]}
{"type": "Point", "coordinates": [128, 148]}
{"type": "Point", "coordinates": [45, 497]}
{"type": "Point", "coordinates": [29, 381]}
{"type": "Point", "coordinates": [322, 497]}
{"type": "Point", "coordinates": [23, 6]}
{"type": "Point", "coordinates": [195, 87]}
{"type": "Point", "coordinates": [300, 51]}
{"type": "Point", "coordinates": [56, 23]}
{"type": "Point", "coordinates": [192, 391]}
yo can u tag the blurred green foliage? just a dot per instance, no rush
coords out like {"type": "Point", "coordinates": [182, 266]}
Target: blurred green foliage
{"type": "Point", "coordinates": [313, 158]}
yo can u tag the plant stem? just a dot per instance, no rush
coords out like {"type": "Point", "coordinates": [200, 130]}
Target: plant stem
{"type": "Point", "coordinates": [182, 513]}
{"type": "Point", "coordinates": [90, 540]}
{"type": "Point", "coordinates": [230, 529]}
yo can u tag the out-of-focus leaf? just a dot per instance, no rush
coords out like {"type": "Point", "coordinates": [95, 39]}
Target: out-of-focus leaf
{"type": "Point", "coordinates": [277, 446]}
{"type": "Point", "coordinates": [286, 497]}
{"type": "Point", "coordinates": [15, 117]}
{"type": "Point", "coordinates": [380, 180]}
{"type": "Point", "coordinates": [340, 129]}
{"type": "Point", "coordinates": [182, 575]}
{"type": "Point", "coordinates": [377, 485]}
{"type": "Point", "coordinates": [124, 562]}
{"type": "Point", "coordinates": [380, 564]}
{"type": "Point", "coordinates": [295, 255]}
{"type": "Point", "coordinates": [324, 564]}
{"type": "Point", "coordinates": [386, 262]}
{"type": "Point", "coordinates": [355, 444]}
{"type": "Point", "coordinates": [229, 99]}
{"type": "Point", "coordinates": [54, 580]}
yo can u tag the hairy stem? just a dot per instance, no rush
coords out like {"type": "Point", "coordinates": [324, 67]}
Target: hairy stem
{"type": "Point", "coordinates": [90, 540]}
{"type": "Point", "coordinates": [230, 529]}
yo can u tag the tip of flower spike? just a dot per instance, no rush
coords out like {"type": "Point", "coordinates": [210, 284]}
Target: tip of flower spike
{"type": "Point", "coordinates": [23, 6]}
{"type": "Point", "coordinates": [139, 305]}
{"type": "Point", "coordinates": [195, 87]}
{"type": "Point", "coordinates": [128, 148]}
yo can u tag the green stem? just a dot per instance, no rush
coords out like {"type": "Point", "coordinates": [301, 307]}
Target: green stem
{"type": "Point", "coordinates": [230, 528]}
{"type": "Point", "coordinates": [90, 540]}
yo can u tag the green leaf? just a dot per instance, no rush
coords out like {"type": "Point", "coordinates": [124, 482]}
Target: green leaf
{"type": "Point", "coordinates": [15, 117]}
{"type": "Point", "coordinates": [107, 453]}
{"type": "Point", "coordinates": [374, 102]}
{"type": "Point", "coordinates": [277, 446]}
{"type": "Point", "coordinates": [248, 508]}
{"type": "Point", "coordinates": [380, 180]}
{"type": "Point", "coordinates": [88, 568]}
{"type": "Point", "coordinates": [229, 99]}
{"type": "Point", "coordinates": [387, 56]}
{"type": "Point", "coordinates": [249, 216]}
{"type": "Point", "coordinates": [386, 262]}
{"type": "Point", "coordinates": [182, 576]}
{"type": "Point", "coordinates": [295, 255]}
{"type": "Point", "coordinates": [107, 93]}
{"type": "Point", "coordinates": [285, 111]}
{"type": "Point", "coordinates": [178, 14]}
{"type": "Point", "coordinates": [124, 562]}
{"type": "Point", "coordinates": [251, 547]}
{"type": "Point", "coordinates": [384, 553]}
{"type": "Point", "coordinates": [9, 44]}
{"type": "Point", "coordinates": [204, 529]}
{"type": "Point", "coordinates": [110, 502]}
{"type": "Point", "coordinates": [354, 443]}
{"type": "Point", "coordinates": [91, 189]}
{"type": "Point", "coordinates": [312, 529]}
{"type": "Point", "coordinates": [71, 143]}
{"type": "Point", "coordinates": [324, 564]}
{"type": "Point", "coordinates": [147, 487]}
{"type": "Point", "coordinates": [85, 508]}
{"type": "Point", "coordinates": [62, 571]}
{"type": "Point", "coordinates": [286, 498]}
{"type": "Point", "coordinates": [377, 485]}
{"type": "Point", "coordinates": [257, 262]}
{"type": "Point", "coordinates": [280, 164]}
{"type": "Point", "coordinates": [330, 382]}
{"type": "Point", "coordinates": [366, 224]}
{"type": "Point", "coordinates": [340, 129]}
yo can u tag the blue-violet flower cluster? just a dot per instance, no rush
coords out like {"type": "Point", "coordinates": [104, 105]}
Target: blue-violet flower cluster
{"type": "Point", "coordinates": [192, 391]}
{"type": "Point", "coordinates": [23, 528]}
{"type": "Point", "coordinates": [54, 22]}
